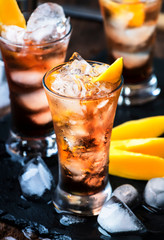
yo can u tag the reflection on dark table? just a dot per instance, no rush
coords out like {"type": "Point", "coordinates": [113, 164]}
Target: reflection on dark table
{"type": "Point", "coordinates": [88, 39]}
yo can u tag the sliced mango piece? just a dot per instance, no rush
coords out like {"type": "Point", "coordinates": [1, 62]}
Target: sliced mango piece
{"type": "Point", "coordinates": [135, 165]}
{"type": "Point", "coordinates": [143, 128]}
{"type": "Point", "coordinates": [132, 12]}
{"type": "Point", "coordinates": [150, 146]}
{"type": "Point", "coordinates": [10, 14]}
{"type": "Point", "coordinates": [112, 74]}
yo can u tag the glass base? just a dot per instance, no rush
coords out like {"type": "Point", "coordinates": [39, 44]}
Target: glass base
{"type": "Point", "coordinates": [136, 94]}
{"type": "Point", "coordinates": [82, 205]}
{"type": "Point", "coordinates": [19, 147]}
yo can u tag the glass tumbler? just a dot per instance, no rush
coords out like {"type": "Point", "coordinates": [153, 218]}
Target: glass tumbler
{"type": "Point", "coordinates": [130, 29]}
{"type": "Point", "coordinates": [31, 122]}
{"type": "Point", "coordinates": [83, 130]}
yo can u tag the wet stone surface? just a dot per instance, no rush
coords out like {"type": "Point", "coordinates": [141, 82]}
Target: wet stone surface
{"type": "Point", "coordinates": [39, 218]}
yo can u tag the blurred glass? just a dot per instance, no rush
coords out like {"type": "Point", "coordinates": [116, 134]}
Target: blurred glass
{"type": "Point", "coordinates": [130, 28]}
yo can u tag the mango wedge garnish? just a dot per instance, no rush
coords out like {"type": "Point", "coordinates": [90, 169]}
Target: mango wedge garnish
{"type": "Point", "coordinates": [133, 11]}
{"type": "Point", "coordinates": [149, 146]}
{"type": "Point", "coordinates": [135, 165]}
{"type": "Point", "coordinates": [10, 14]}
{"type": "Point", "coordinates": [136, 151]}
{"type": "Point", "coordinates": [112, 74]}
{"type": "Point", "coordinates": [143, 128]}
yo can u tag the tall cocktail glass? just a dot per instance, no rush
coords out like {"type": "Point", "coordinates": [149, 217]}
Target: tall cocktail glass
{"type": "Point", "coordinates": [32, 128]}
{"type": "Point", "coordinates": [83, 125]}
{"type": "Point", "coordinates": [130, 29]}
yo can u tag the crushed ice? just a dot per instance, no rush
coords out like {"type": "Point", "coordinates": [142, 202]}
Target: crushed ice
{"type": "Point", "coordinates": [67, 220]}
{"type": "Point", "coordinates": [74, 78]}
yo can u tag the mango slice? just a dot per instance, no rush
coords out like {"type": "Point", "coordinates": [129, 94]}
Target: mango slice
{"type": "Point", "coordinates": [149, 146]}
{"type": "Point", "coordinates": [135, 165]}
{"type": "Point", "coordinates": [143, 128]}
{"type": "Point", "coordinates": [112, 74]}
{"type": "Point", "coordinates": [132, 12]}
{"type": "Point", "coordinates": [10, 14]}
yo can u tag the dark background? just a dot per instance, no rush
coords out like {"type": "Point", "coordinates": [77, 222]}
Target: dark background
{"type": "Point", "coordinates": [15, 214]}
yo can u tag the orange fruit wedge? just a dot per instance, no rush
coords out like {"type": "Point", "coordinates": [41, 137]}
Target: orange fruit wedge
{"type": "Point", "coordinates": [10, 14]}
{"type": "Point", "coordinates": [112, 74]}
{"type": "Point", "coordinates": [131, 11]}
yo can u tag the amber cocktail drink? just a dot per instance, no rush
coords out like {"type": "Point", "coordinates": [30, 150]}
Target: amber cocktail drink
{"type": "Point", "coordinates": [83, 113]}
{"type": "Point", "coordinates": [130, 28]}
{"type": "Point", "coordinates": [26, 62]}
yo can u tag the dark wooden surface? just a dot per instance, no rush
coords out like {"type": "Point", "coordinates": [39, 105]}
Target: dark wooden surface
{"type": "Point", "coordinates": [87, 39]}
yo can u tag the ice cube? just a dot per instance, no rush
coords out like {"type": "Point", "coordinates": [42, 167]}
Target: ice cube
{"type": "Point", "coordinates": [79, 65]}
{"type": "Point", "coordinates": [46, 23]}
{"type": "Point", "coordinates": [28, 79]}
{"type": "Point", "coordinates": [13, 34]}
{"type": "Point", "coordinates": [9, 238]}
{"type": "Point", "coordinates": [42, 117]}
{"type": "Point", "coordinates": [116, 217]}
{"type": "Point", "coordinates": [76, 169]}
{"type": "Point", "coordinates": [132, 36]}
{"type": "Point", "coordinates": [45, 14]}
{"type": "Point", "coordinates": [132, 60]}
{"type": "Point", "coordinates": [127, 194]}
{"type": "Point", "coordinates": [154, 193]}
{"type": "Point", "coordinates": [121, 21]}
{"type": "Point", "coordinates": [33, 101]}
{"type": "Point", "coordinates": [69, 81]}
{"type": "Point", "coordinates": [68, 220]}
{"type": "Point", "coordinates": [64, 85]}
{"type": "Point", "coordinates": [36, 178]}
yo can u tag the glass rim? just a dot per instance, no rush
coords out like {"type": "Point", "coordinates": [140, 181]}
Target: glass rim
{"type": "Point", "coordinates": [79, 98]}
{"type": "Point", "coordinates": [37, 45]}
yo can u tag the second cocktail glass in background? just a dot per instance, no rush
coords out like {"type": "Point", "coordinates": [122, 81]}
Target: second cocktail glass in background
{"type": "Point", "coordinates": [130, 28]}
{"type": "Point", "coordinates": [32, 129]}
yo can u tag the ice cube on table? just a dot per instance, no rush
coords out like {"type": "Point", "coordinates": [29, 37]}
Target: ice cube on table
{"type": "Point", "coordinates": [116, 217]}
{"type": "Point", "coordinates": [46, 23]}
{"type": "Point", "coordinates": [36, 178]}
{"type": "Point", "coordinates": [154, 193]}
{"type": "Point", "coordinates": [127, 194]}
